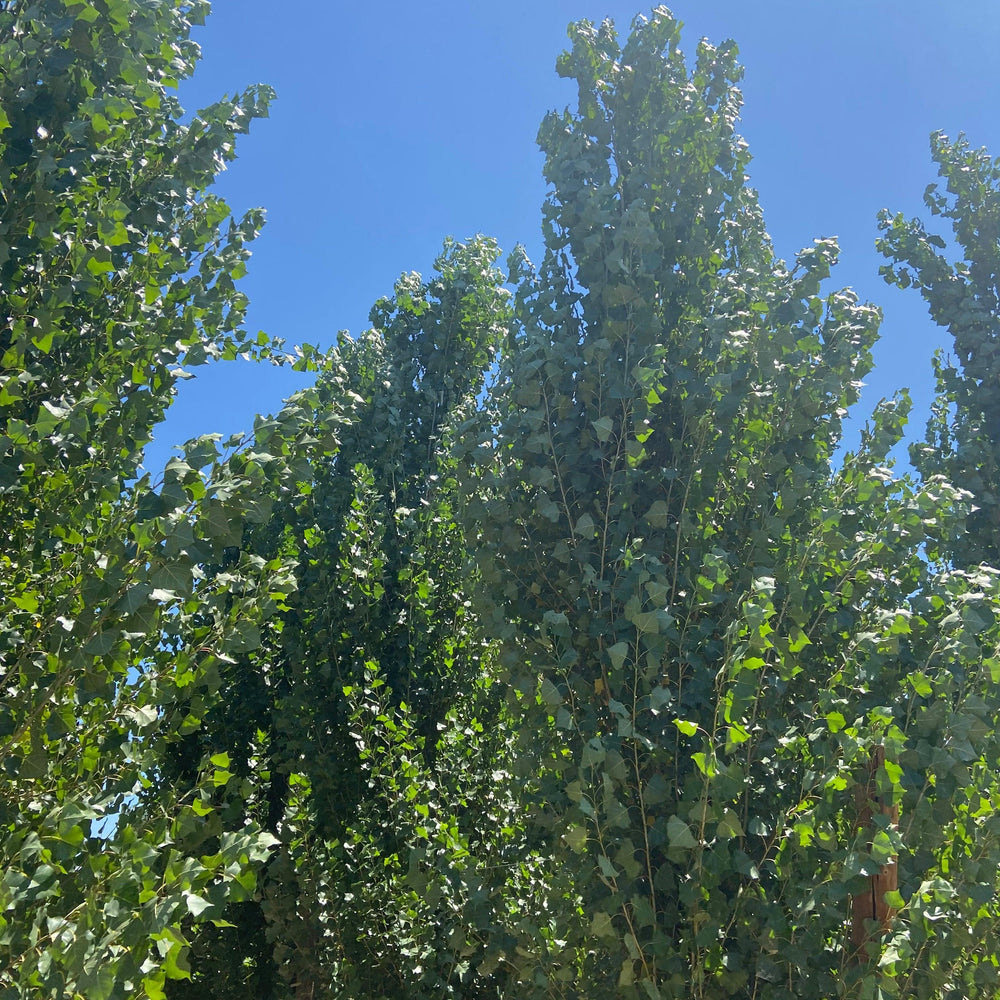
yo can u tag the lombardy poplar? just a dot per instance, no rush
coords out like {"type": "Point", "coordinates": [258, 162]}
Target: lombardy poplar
{"type": "Point", "coordinates": [364, 729]}
{"type": "Point", "coordinates": [116, 269]}
{"type": "Point", "coordinates": [547, 647]}
{"type": "Point", "coordinates": [963, 297]}
{"type": "Point", "coordinates": [708, 626]}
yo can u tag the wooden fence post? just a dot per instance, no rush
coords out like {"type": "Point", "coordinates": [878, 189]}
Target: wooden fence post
{"type": "Point", "coordinates": [871, 915]}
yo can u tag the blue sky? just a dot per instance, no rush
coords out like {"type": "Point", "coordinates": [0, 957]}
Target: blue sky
{"type": "Point", "coordinates": [398, 124]}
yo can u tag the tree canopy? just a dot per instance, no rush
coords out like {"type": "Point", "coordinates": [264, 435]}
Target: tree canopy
{"type": "Point", "coordinates": [550, 645]}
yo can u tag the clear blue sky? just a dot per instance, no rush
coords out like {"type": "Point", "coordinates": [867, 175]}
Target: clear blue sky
{"type": "Point", "coordinates": [398, 124]}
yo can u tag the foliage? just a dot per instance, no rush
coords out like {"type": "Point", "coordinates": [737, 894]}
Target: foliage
{"type": "Point", "coordinates": [365, 727]}
{"type": "Point", "coordinates": [706, 625]}
{"type": "Point", "coordinates": [541, 648]}
{"type": "Point", "coordinates": [963, 437]}
{"type": "Point", "coordinates": [117, 268]}
{"type": "Point", "coordinates": [962, 444]}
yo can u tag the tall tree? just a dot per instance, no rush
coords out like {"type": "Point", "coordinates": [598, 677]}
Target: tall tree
{"type": "Point", "coordinates": [709, 629]}
{"type": "Point", "coordinates": [363, 729]}
{"type": "Point", "coordinates": [117, 267]}
{"type": "Point", "coordinates": [963, 436]}
{"type": "Point", "coordinates": [602, 681]}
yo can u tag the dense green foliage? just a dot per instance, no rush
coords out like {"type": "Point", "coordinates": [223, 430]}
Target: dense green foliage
{"type": "Point", "coordinates": [541, 648]}
{"type": "Point", "coordinates": [722, 625]}
{"type": "Point", "coordinates": [362, 726]}
{"type": "Point", "coordinates": [116, 266]}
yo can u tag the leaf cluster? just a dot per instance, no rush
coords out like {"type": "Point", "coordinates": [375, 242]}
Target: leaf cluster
{"type": "Point", "coordinates": [543, 647]}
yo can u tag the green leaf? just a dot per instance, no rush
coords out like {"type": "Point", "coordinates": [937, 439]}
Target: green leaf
{"type": "Point", "coordinates": [98, 981]}
{"type": "Point", "coordinates": [835, 721]}
{"type": "Point", "coordinates": [679, 833]}
{"type": "Point", "coordinates": [659, 698]}
{"type": "Point", "coordinates": [144, 716]}
{"type": "Point", "coordinates": [651, 989]}
{"type": "Point", "coordinates": [576, 837]}
{"type": "Point", "coordinates": [222, 524]}
{"type": "Point", "coordinates": [735, 735]}
{"type": "Point", "coordinates": [175, 957]}
{"type": "Point", "coordinates": [134, 598]}
{"type": "Point", "coordinates": [894, 772]}
{"type": "Point", "coordinates": [729, 826]}
{"type": "Point", "coordinates": [603, 428]}
{"type": "Point", "coordinates": [658, 514]}
{"type": "Point", "coordinates": [705, 763]}
{"type": "Point", "coordinates": [618, 654]}
{"type": "Point", "coordinates": [550, 693]}
{"type": "Point", "coordinates": [174, 578]}
{"type": "Point", "coordinates": [26, 601]}
{"type": "Point", "coordinates": [154, 985]}
{"type": "Point", "coordinates": [44, 343]}
{"type": "Point", "coordinates": [195, 904]}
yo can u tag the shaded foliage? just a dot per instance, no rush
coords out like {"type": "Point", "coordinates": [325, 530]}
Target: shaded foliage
{"type": "Point", "coordinates": [365, 726]}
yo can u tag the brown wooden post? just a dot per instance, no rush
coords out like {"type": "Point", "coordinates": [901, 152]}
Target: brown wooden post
{"type": "Point", "coordinates": [871, 904]}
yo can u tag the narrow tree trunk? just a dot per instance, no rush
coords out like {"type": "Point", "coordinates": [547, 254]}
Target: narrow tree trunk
{"type": "Point", "coordinates": [871, 915]}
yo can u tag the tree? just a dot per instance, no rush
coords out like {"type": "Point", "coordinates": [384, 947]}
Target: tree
{"type": "Point", "coordinates": [117, 269]}
{"type": "Point", "coordinates": [962, 444]}
{"type": "Point", "coordinates": [581, 670]}
{"type": "Point", "coordinates": [364, 729]}
{"type": "Point", "coordinates": [708, 628]}
{"type": "Point", "coordinates": [963, 436]}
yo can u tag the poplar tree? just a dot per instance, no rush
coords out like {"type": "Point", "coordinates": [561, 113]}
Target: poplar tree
{"type": "Point", "coordinates": [546, 647]}
{"type": "Point", "coordinates": [365, 732]}
{"type": "Point", "coordinates": [117, 270]}
{"type": "Point", "coordinates": [963, 296]}
{"type": "Point", "coordinates": [713, 630]}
